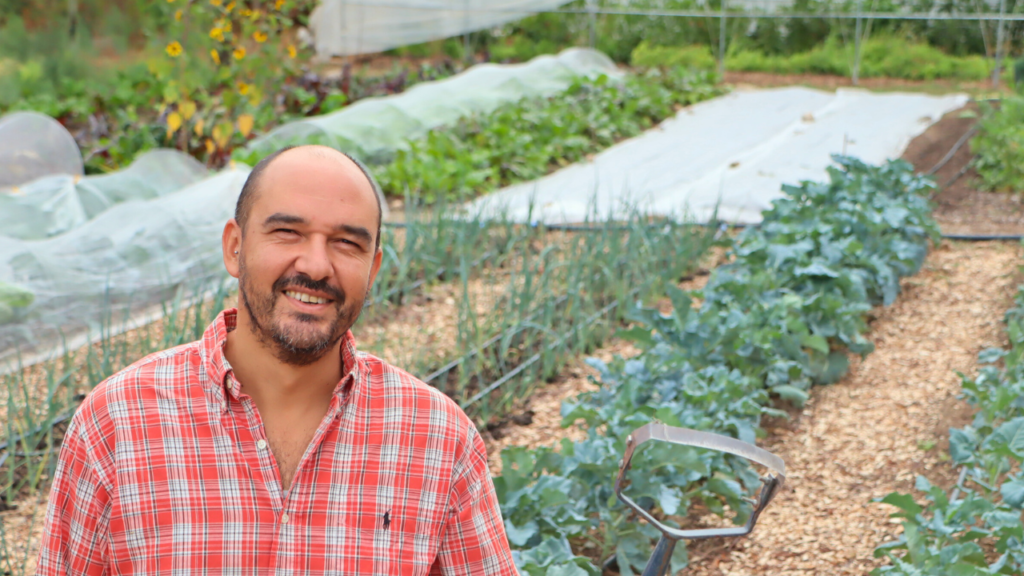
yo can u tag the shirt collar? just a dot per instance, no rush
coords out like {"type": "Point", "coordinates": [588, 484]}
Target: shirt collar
{"type": "Point", "coordinates": [218, 369]}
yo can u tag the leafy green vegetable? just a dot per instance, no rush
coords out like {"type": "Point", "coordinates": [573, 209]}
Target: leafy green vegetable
{"type": "Point", "coordinates": [999, 146]}
{"type": "Point", "coordinates": [525, 140]}
{"type": "Point", "coordinates": [780, 317]}
{"type": "Point", "coordinates": [979, 528]}
{"type": "Point", "coordinates": [15, 296]}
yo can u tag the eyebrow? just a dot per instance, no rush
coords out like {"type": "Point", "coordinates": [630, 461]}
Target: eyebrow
{"type": "Point", "coordinates": [357, 231]}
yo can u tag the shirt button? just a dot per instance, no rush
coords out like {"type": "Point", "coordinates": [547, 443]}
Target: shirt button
{"type": "Point", "coordinates": [261, 444]}
{"type": "Point", "coordinates": [284, 519]}
{"type": "Point", "coordinates": [223, 405]}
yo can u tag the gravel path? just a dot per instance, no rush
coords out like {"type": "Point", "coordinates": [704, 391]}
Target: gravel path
{"type": "Point", "coordinates": [883, 424]}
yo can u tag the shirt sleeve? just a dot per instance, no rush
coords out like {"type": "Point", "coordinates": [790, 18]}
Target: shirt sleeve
{"type": "Point", "coordinates": [474, 540]}
{"type": "Point", "coordinates": [75, 536]}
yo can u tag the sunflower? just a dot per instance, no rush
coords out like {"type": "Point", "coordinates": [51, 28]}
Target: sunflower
{"type": "Point", "coordinates": [174, 49]}
{"type": "Point", "coordinates": [239, 53]}
{"type": "Point", "coordinates": [243, 88]}
{"type": "Point", "coordinates": [259, 36]}
{"type": "Point", "coordinates": [217, 34]}
{"type": "Point", "coordinates": [215, 56]}
{"type": "Point", "coordinates": [292, 52]}
{"type": "Point", "coordinates": [278, 4]}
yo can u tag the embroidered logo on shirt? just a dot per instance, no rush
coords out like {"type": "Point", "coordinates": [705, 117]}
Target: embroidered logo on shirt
{"type": "Point", "coordinates": [387, 519]}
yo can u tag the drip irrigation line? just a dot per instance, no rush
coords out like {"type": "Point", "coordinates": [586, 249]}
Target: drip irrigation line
{"type": "Point", "coordinates": [952, 151]}
{"type": "Point", "coordinates": [536, 357]}
{"type": "Point", "coordinates": [490, 342]}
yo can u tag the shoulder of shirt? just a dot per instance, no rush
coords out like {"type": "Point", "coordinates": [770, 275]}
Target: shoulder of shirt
{"type": "Point", "coordinates": [391, 381]}
{"type": "Point", "coordinates": [165, 369]}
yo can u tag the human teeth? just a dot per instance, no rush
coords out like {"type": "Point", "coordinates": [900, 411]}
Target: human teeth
{"type": "Point", "coordinates": [302, 297]}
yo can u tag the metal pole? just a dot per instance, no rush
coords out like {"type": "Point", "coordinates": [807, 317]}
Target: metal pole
{"type": "Point", "coordinates": [592, 20]}
{"type": "Point", "coordinates": [856, 47]}
{"type": "Point", "coordinates": [999, 44]}
{"type": "Point", "coordinates": [721, 44]}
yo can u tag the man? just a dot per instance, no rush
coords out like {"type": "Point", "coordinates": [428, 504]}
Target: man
{"type": "Point", "coordinates": [272, 446]}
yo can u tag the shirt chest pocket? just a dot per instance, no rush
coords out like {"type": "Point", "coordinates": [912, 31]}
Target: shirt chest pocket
{"type": "Point", "coordinates": [381, 537]}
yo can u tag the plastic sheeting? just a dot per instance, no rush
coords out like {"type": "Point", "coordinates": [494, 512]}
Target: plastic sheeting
{"type": "Point", "coordinates": [344, 27]}
{"type": "Point", "coordinates": [56, 204]}
{"type": "Point", "coordinates": [374, 128]}
{"type": "Point", "coordinates": [33, 145]}
{"type": "Point", "coordinates": [132, 256]}
{"type": "Point", "coordinates": [728, 156]}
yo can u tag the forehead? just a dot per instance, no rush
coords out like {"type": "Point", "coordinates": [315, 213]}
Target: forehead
{"type": "Point", "coordinates": [319, 186]}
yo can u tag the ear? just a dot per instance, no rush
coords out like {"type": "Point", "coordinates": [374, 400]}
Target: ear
{"type": "Point", "coordinates": [231, 244]}
{"type": "Point", "coordinates": [377, 259]}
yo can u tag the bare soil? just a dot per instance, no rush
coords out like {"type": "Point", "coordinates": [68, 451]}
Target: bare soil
{"type": "Point", "coordinates": [960, 207]}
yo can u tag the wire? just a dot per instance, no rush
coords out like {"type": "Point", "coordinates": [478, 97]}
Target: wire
{"type": "Point", "coordinates": [986, 16]}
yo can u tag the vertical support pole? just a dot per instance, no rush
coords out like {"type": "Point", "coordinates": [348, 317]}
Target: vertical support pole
{"type": "Point", "coordinates": [721, 43]}
{"type": "Point", "coordinates": [592, 21]}
{"type": "Point", "coordinates": [466, 54]}
{"type": "Point", "coordinates": [857, 33]}
{"type": "Point", "coordinates": [1000, 30]}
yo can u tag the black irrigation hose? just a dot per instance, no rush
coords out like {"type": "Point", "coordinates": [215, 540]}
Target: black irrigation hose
{"type": "Point", "coordinates": [952, 151]}
{"type": "Point", "coordinates": [536, 357]}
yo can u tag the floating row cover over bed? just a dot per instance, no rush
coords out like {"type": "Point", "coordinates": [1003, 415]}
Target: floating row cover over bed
{"type": "Point", "coordinates": [73, 248]}
{"type": "Point", "coordinates": [33, 145]}
{"type": "Point", "coordinates": [344, 27]}
{"type": "Point", "coordinates": [374, 128]}
{"type": "Point", "coordinates": [728, 156]}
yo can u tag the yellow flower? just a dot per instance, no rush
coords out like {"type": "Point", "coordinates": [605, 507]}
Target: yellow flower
{"type": "Point", "coordinates": [216, 2]}
{"type": "Point", "coordinates": [292, 52]}
{"type": "Point", "coordinates": [243, 88]}
{"type": "Point", "coordinates": [278, 4]}
{"type": "Point", "coordinates": [215, 56]}
{"type": "Point", "coordinates": [177, 15]}
{"type": "Point", "coordinates": [174, 49]}
{"type": "Point", "coordinates": [217, 34]}
{"type": "Point", "coordinates": [170, 1]}
{"type": "Point", "coordinates": [245, 12]}
{"type": "Point", "coordinates": [239, 53]}
{"type": "Point", "coordinates": [260, 37]}
{"type": "Point", "coordinates": [230, 6]}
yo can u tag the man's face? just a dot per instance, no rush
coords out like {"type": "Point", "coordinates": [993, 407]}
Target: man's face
{"type": "Point", "coordinates": [307, 257]}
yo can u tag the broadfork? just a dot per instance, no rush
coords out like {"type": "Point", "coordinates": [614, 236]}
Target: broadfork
{"type": "Point", "coordinates": [660, 560]}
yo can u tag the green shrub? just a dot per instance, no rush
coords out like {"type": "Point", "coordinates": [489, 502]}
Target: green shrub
{"type": "Point", "coordinates": [882, 56]}
{"type": "Point", "coordinates": [695, 56]}
{"type": "Point", "coordinates": [999, 147]}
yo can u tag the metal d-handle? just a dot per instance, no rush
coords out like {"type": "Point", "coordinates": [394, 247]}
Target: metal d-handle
{"type": "Point", "coordinates": [658, 565]}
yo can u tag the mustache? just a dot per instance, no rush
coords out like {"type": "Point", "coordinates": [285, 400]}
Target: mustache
{"type": "Point", "coordinates": [303, 281]}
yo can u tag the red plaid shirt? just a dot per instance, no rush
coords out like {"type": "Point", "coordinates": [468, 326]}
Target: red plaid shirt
{"type": "Point", "coordinates": [166, 469]}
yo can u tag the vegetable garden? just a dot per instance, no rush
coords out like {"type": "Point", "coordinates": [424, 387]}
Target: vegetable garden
{"type": "Point", "coordinates": [491, 310]}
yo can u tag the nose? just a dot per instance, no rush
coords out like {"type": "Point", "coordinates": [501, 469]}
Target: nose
{"type": "Point", "coordinates": [314, 260]}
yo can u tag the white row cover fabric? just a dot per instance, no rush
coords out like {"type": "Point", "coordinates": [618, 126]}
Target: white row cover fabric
{"type": "Point", "coordinates": [33, 145]}
{"type": "Point", "coordinates": [53, 205]}
{"type": "Point", "coordinates": [374, 128]}
{"type": "Point", "coordinates": [727, 156]}
{"type": "Point", "coordinates": [345, 27]}
{"type": "Point", "coordinates": [132, 256]}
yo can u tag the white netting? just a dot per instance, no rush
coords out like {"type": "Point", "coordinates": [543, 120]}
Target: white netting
{"type": "Point", "coordinates": [343, 27]}
{"type": "Point", "coordinates": [374, 128]}
{"type": "Point", "coordinates": [135, 254]}
{"type": "Point", "coordinates": [56, 204]}
{"type": "Point", "coordinates": [33, 145]}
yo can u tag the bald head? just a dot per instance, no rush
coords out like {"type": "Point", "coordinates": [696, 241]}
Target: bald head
{"type": "Point", "coordinates": [305, 158]}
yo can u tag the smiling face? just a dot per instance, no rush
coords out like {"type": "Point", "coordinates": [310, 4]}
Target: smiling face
{"type": "Point", "coordinates": [307, 253]}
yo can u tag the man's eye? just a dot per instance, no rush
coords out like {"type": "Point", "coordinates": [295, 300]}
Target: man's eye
{"type": "Point", "coordinates": [285, 231]}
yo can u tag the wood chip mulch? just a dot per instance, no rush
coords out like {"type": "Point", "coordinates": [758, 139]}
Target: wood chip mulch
{"type": "Point", "coordinates": [877, 429]}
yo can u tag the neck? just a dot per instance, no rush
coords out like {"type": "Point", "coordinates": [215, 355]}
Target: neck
{"type": "Point", "coordinates": [275, 384]}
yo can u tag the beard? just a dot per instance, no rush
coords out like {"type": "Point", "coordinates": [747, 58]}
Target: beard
{"type": "Point", "coordinates": [307, 342]}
